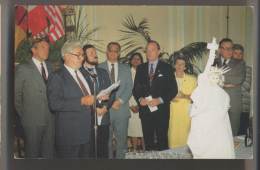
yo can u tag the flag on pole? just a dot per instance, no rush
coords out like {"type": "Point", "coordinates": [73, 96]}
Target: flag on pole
{"type": "Point", "coordinates": [46, 20]}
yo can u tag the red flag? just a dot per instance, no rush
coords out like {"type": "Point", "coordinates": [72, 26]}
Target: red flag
{"type": "Point", "coordinates": [46, 19]}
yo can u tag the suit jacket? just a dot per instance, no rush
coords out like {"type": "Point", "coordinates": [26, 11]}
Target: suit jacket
{"type": "Point", "coordinates": [103, 83]}
{"type": "Point", "coordinates": [236, 75]}
{"type": "Point", "coordinates": [163, 85]}
{"type": "Point", "coordinates": [30, 95]}
{"type": "Point", "coordinates": [73, 120]}
{"type": "Point", "coordinates": [124, 91]}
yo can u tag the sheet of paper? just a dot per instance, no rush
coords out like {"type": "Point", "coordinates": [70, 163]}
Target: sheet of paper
{"type": "Point", "coordinates": [99, 119]}
{"type": "Point", "coordinates": [154, 108]}
{"type": "Point", "coordinates": [108, 90]}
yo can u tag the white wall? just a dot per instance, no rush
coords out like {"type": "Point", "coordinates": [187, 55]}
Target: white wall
{"type": "Point", "coordinates": [176, 26]}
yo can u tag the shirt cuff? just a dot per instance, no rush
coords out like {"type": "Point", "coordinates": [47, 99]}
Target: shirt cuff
{"type": "Point", "coordinates": [121, 101]}
{"type": "Point", "coordinates": [161, 100]}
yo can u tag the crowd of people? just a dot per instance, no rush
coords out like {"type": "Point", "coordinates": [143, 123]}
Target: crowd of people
{"type": "Point", "coordinates": [155, 107]}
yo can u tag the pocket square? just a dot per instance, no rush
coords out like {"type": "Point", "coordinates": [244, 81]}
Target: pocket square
{"type": "Point", "coordinates": [160, 75]}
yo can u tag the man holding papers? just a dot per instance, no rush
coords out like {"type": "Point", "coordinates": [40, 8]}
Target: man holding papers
{"type": "Point", "coordinates": [119, 113]}
{"type": "Point", "coordinates": [71, 99]}
{"type": "Point", "coordinates": [154, 88]}
{"type": "Point", "coordinates": [98, 78]}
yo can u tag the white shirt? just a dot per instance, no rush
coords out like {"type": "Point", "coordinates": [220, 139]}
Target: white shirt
{"type": "Point", "coordinates": [222, 60]}
{"type": "Point", "coordinates": [116, 69]}
{"type": "Point", "coordinates": [39, 67]}
{"type": "Point", "coordinates": [81, 77]}
{"type": "Point", "coordinates": [155, 63]}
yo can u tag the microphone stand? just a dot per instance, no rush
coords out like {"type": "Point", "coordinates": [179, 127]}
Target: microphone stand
{"type": "Point", "coordinates": [94, 76]}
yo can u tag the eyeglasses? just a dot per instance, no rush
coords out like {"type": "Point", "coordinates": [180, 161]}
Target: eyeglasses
{"type": "Point", "coordinates": [78, 56]}
{"type": "Point", "coordinates": [226, 49]}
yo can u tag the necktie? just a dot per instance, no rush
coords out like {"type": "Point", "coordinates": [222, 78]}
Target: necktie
{"type": "Point", "coordinates": [112, 73]}
{"type": "Point", "coordinates": [83, 88]}
{"type": "Point", "coordinates": [151, 73]}
{"type": "Point", "coordinates": [43, 73]}
{"type": "Point", "coordinates": [225, 62]}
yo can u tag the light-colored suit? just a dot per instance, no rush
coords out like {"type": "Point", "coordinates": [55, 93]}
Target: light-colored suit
{"type": "Point", "coordinates": [119, 118]}
{"type": "Point", "coordinates": [235, 76]}
{"type": "Point", "coordinates": [32, 106]}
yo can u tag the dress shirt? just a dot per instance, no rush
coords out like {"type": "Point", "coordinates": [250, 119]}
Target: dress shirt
{"type": "Point", "coordinates": [115, 67]}
{"type": "Point", "coordinates": [39, 67]}
{"type": "Point", "coordinates": [222, 60]}
{"type": "Point", "coordinates": [73, 74]}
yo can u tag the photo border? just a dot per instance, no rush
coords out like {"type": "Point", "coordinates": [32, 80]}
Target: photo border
{"type": "Point", "coordinates": [7, 86]}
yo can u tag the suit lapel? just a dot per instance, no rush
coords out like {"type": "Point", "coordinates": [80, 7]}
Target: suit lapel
{"type": "Point", "coordinates": [67, 75]}
{"type": "Point", "coordinates": [157, 69]}
{"type": "Point", "coordinates": [119, 72]}
{"type": "Point", "coordinates": [37, 75]}
{"type": "Point", "coordinates": [88, 78]}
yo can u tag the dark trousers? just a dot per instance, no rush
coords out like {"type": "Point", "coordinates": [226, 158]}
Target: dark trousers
{"type": "Point", "coordinates": [244, 123]}
{"type": "Point", "coordinates": [155, 124]}
{"type": "Point", "coordinates": [102, 142]}
{"type": "Point", "coordinates": [39, 141]}
{"type": "Point", "coordinates": [73, 151]}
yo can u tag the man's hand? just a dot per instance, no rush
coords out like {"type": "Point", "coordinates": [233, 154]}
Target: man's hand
{"type": "Point", "coordinates": [101, 111]}
{"type": "Point", "coordinates": [154, 102]}
{"type": "Point", "coordinates": [103, 98]}
{"type": "Point", "coordinates": [134, 109]}
{"type": "Point", "coordinates": [116, 105]}
{"type": "Point", "coordinates": [143, 102]}
{"type": "Point", "coordinates": [87, 100]}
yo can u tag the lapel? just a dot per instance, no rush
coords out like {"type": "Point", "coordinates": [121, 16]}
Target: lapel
{"type": "Point", "coordinates": [106, 67]}
{"type": "Point", "coordinates": [99, 76]}
{"type": "Point", "coordinates": [157, 69]}
{"type": "Point", "coordinates": [37, 75]}
{"type": "Point", "coordinates": [119, 72]}
{"type": "Point", "coordinates": [67, 75]}
{"type": "Point", "coordinates": [146, 72]}
{"type": "Point", "coordinates": [88, 78]}
{"type": "Point", "coordinates": [231, 63]}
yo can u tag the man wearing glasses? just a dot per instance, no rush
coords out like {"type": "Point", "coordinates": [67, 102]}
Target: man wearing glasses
{"type": "Point", "coordinates": [70, 98]}
{"type": "Point", "coordinates": [233, 80]}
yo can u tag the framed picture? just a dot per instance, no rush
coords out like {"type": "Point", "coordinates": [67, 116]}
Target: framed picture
{"type": "Point", "coordinates": [181, 29]}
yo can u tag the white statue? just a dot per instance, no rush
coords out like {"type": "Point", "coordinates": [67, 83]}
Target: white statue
{"type": "Point", "coordinates": [210, 134]}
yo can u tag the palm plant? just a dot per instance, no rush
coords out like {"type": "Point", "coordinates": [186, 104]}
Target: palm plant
{"type": "Point", "coordinates": [134, 37]}
{"type": "Point", "coordinates": [81, 29]}
{"type": "Point", "coordinates": [192, 54]}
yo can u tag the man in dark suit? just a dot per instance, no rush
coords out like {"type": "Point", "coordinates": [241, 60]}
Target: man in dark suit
{"type": "Point", "coordinates": [98, 78]}
{"type": "Point", "coordinates": [233, 80]}
{"type": "Point", "coordinates": [31, 102]}
{"type": "Point", "coordinates": [156, 79]}
{"type": "Point", "coordinates": [119, 112]}
{"type": "Point", "coordinates": [70, 98]}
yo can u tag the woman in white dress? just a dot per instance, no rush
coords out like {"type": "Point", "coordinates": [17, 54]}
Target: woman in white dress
{"type": "Point", "coordinates": [210, 136]}
{"type": "Point", "coordinates": [135, 132]}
